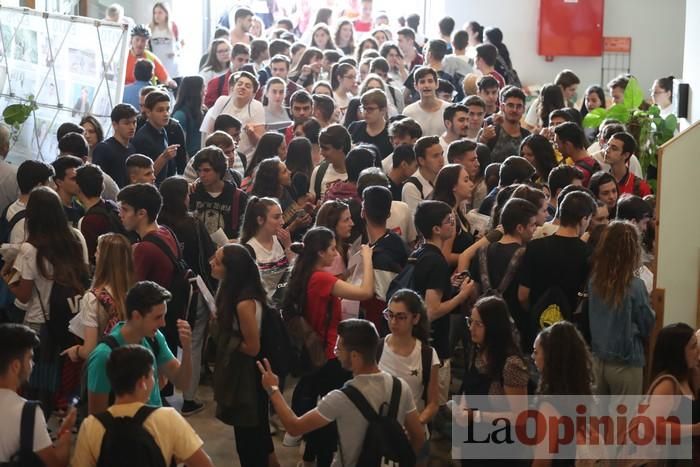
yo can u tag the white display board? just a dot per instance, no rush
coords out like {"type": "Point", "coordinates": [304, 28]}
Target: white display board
{"type": "Point", "coordinates": [73, 66]}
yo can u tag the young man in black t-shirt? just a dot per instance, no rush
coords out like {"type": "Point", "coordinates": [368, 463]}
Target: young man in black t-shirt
{"type": "Point", "coordinates": [217, 203]}
{"type": "Point", "coordinates": [431, 279]}
{"type": "Point", "coordinates": [519, 220]}
{"type": "Point", "coordinates": [560, 259]}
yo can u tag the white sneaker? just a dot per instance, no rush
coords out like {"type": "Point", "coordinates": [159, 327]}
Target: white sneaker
{"type": "Point", "coordinates": [291, 441]}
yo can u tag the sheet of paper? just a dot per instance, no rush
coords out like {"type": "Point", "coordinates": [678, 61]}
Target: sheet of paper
{"type": "Point", "coordinates": [219, 237]}
{"type": "Point", "coordinates": [206, 295]}
{"type": "Point", "coordinates": [479, 223]}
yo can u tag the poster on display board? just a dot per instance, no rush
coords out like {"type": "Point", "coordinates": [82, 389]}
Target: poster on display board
{"type": "Point", "coordinates": [72, 66]}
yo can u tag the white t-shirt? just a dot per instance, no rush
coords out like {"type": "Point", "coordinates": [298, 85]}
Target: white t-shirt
{"type": "Point", "coordinates": [401, 222]}
{"type": "Point", "coordinates": [430, 122]}
{"type": "Point", "coordinates": [532, 117]}
{"type": "Point", "coordinates": [253, 114]}
{"type": "Point", "coordinates": [336, 406]}
{"type": "Point", "coordinates": [410, 369]}
{"type": "Point", "coordinates": [273, 265]}
{"type": "Point", "coordinates": [331, 176]}
{"type": "Point", "coordinates": [412, 196]}
{"type": "Point", "coordinates": [17, 234]}
{"type": "Point", "coordinates": [12, 405]}
{"type": "Point", "coordinates": [87, 315]}
{"type": "Point", "coordinates": [26, 265]}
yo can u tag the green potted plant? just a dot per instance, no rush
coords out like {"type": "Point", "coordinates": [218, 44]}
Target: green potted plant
{"type": "Point", "coordinates": [15, 115]}
{"type": "Point", "coordinates": [644, 123]}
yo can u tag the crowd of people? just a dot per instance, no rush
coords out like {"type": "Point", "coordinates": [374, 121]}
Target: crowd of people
{"type": "Point", "coordinates": [379, 217]}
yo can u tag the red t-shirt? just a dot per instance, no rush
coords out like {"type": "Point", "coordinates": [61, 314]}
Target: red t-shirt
{"type": "Point", "coordinates": [92, 226]}
{"type": "Point", "coordinates": [318, 293]}
{"type": "Point", "coordinates": [362, 26]}
{"type": "Point", "coordinates": [151, 264]}
{"type": "Point", "coordinates": [212, 92]}
{"type": "Point", "coordinates": [626, 185]}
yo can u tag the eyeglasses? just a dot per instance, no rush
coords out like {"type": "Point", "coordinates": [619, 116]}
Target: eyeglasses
{"type": "Point", "coordinates": [388, 315]}
{"type": "Point", "coordinates": [473, 322]}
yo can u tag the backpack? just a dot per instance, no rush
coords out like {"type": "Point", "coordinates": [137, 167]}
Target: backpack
{"type": "Point", "coordinates": [275, 344]}
{"type": "Point", "coordinates": [127, 442]}
{"type": "Point", "coordinates": [385, 441]}
{"type": "Point", "coordinates": [6, 297]}
{"type": "Point", "coordinates": [64, 303]}
{"type": "Point", "coordinates": [426, 360]}
{"type": "Point", "coordinates": [180, 286]}
{"type": "Point", "coordinates": [552, 306]}
{"type": "Point", "coordinates": [417, 183]}
{"type": "Point", "coordinates": [320, 173]}
{"type": "Point", "coordinates": [308, 351]}
{"type": "Point", "coordinates": [590, 168]}
{"type": "Point", "coordinates": [110, 212]}
{"type": "Point", "coordinates": [508, 276]}
{"type": "Point", "coordinates": [25, 456]}
{"type": "Point", "coordinates": [111, 342]}
{"type": "Point", "coordinates": [404, 279]}
{"type": "Point", "coordinates": [6, 225]}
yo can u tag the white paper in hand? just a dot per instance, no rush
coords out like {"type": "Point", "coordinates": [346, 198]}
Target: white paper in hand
{"type": "Point", "coordinates": [206, 295]}
{"type": "Point", "coordinates": [219, 237]}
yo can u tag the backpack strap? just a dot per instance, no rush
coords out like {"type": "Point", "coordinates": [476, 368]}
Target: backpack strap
{"type": "Point", "coordinates": [484, 269]}
{"type": "Point", "coordinates": [417, 183]}
{"type": "Point", "coordinates": [356, 397]}
{"type": "Point", "coordinates": [236, 209]}
{"type": "Point", "coordinates": [106, 419]}
{"type": "Point", "coordinates": [510, 271]}
{"type": "Point", "coordinates": [143, 413]}
{"type": "Point", "coordinates": [110, 341]}
{"type": "Point", "coordinates": [426, 360]}
{"type": "Point", "coordinates": [318, 182]}
{"type": "Point", "coordinates": [26, 430]}
{"type": "Point", "coordinates": [220, 85]}
{"type": "Point", "coordinates": [395, 398]}
{"type": "Point", "coordinates": [15, 219]}
{"type": "Point", "coordinates": [160, 243]}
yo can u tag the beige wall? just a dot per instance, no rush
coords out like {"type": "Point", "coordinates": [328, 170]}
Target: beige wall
{"type": "Point", "coordinates": [678, 259]}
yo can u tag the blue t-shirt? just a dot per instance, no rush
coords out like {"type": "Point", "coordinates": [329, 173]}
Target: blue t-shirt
{"type": "Point", "coordinates": [97, 364]}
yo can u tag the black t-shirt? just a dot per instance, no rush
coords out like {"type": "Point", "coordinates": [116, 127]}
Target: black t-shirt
{"type": "Point", "coordinates": [389, 253]}
{"type": "Point", "coordinates": [555, 261]}
{"type": "Point", "coordinates": [498, 256]}
{"type": "Point", "coordinates": [395, 190]}
{"type": "Point", "coordinates": [358, 133]}
{"type": "Point", "coordinates": [152, 142]}
{"type": "Point", "coordinates": [219, 212]}
{"type": "Point", "coordinates": [433, 272]}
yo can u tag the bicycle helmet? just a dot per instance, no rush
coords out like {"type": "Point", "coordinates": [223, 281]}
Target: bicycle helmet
{"type": "Point", "coordinates": [141, 30]}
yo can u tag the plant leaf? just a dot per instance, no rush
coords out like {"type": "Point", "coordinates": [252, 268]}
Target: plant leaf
{"type": "Point", "coordinates": [654, 110]}
{"type": "Point", "coordinates": [16, 114]}
{"type": "Point", "coordinates": [619, 112]}
{"type": "Point", "coordinates": [671, 123]}
{"type": "Point", "coordinates": [592, 120]}
{"type": "Point", "coordinates": [633, 94]}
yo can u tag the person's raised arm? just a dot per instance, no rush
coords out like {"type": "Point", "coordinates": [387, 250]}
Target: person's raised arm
{"type": "Point", "coordinates": [437, 308]}
{"type": "Point", "coordinates": [180, 372]}
{"type": "Point", "coordinates": [58, 454]}
{"type": "Point", "coordinates": [365, 290]}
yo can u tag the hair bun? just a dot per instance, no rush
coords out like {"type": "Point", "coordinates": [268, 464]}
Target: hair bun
{"type": "Point", "coordinates": [297, 248]}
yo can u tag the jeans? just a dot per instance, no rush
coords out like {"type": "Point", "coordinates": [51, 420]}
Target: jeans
{"type": "Point", "coordinates": [199, 337]}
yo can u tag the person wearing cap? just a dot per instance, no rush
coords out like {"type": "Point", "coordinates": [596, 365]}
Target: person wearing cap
{"type": "Point", "coordinates": [140, 35]}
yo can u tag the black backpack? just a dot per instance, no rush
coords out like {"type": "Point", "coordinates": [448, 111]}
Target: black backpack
{"type": "Point", "coordinates": [180, 286]}
{"type": "Point", "coordinates": [110, 212]}
{"type": "Point", "coordinates": [385, 441]}
{"type": "Point", "coordinates": [551, 307]}
{"type": "Point", "coordinates": [26, 457]}
{"type": "Point", "coordinates": [414, 180]}
{"type": "Point", "coordinates": [127, 442]}
{"type": "Point", "coordinates": [110, 341]}
{"type": "Point", "coordinates": [61, 312]}
{"type": "Point", "coordinates": [508, 276]}
{"type": "Point", "coordinates": [274, 341]}
{"type": "Point", "coordinates": [426, 360]}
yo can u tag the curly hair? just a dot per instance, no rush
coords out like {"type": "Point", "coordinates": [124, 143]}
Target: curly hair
{"type": "Point", "coordinates": [616, 258]}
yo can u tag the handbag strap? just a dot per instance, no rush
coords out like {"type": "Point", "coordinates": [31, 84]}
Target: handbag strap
{"type": "Point", "coordinates": [41, 303]}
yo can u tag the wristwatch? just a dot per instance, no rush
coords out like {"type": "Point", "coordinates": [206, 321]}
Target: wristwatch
{"type": "Point", "coordinates": [271, 390]}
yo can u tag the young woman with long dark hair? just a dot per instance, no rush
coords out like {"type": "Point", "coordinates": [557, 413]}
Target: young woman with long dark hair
{"type": "Point", "coordinates": [307, 70]}
{"type": "Point", "coordinates": [316, 293]}
{"type": "Point", "coordinates": [241, 400]}
{"type": "Point", "coordinates": [93, 132]}
{"type": "Point", "coordinates": [218, 60]}
{"type": "Point", "coordinates": [335, 215]}
{"type": "Point", "coordinates": [54, 258]}
{"type": "Point", "coordinates": [540, 153]}
{"type": "Point", "coordinates": [263, 231]}
{"type": "Point", "coordinates": [403, 351]}
{"type": "Point", "coordinates": [344, 84]}
{"type": "Point", "coordinates": [565, 367]}
{"type": "Point", "coordinates": [271, 144]}
{"type": "Point", "coordinates": [620, 314]}
{"type": "Point", "coordinates": [189, 111]}
{"type": "Point", "coordinates": [197, 249]}
{"type": "Point", "coordinates": [345, 36]}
